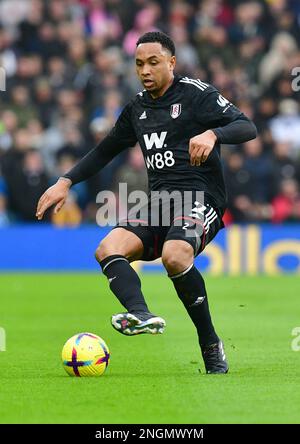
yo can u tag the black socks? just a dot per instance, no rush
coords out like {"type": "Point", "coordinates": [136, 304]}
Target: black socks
{"type": "Point", "coordinates": [190, 287]}
{"type": "Point", "coordinates": [124, 282]}
{"type": "Point", "coordinates": [191, 290]}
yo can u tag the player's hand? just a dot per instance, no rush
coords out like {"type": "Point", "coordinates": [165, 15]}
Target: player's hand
{"type": "Point", "coordinates": [57, 194]}
{"type": "Point", "coordinates": [201, 146]}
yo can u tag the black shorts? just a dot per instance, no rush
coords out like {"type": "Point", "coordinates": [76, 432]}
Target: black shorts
{"type": "Point", "coordinates": [191, 219]}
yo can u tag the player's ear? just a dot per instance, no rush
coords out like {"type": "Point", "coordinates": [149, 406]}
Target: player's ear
{"type": "Point", "coordinates": [173, 62]}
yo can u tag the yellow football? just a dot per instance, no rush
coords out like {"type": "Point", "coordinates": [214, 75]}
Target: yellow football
{"type": "Point", "coordinates": [85, 354]}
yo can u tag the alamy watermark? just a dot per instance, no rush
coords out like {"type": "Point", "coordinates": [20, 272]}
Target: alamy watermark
{"type": "Point", "coordinates": [296, 80]}
{"type": "Point", "coordinates": [295, 344]}
{"type": "Point", "coordinates": [184, 209]}
{"type": "Point", "coordinates": [2, 340]}
{"type": "Point", "coordinates": [2, 79]}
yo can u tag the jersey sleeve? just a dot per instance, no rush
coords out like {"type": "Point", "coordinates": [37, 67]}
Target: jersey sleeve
{"type": "Point", "coordinates": [213, 111]}
{"type": "Point", "coordinates": [123, 131]}
{"type": "Point", "coordinates": [121, 136]}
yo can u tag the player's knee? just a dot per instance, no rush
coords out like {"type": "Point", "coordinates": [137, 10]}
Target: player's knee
{"type": "Point", "coordinates": [104, 250]}
{"type": "Point", "coordinates": [177, 256]}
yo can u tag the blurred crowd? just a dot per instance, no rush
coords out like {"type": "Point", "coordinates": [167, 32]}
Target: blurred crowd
{"type": "Point", "coordinates": [69, 68]}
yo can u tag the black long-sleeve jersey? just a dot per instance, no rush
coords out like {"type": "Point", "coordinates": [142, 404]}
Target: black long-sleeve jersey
{"type": "Point", "coordinates": [163, 127]}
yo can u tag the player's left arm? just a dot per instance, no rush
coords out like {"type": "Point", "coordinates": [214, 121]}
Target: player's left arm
{"type": "Point", "coordinates": [225, 123]}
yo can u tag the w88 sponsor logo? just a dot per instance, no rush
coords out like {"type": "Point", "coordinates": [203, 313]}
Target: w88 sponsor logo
{"type": "Point", "coordinates": [160, 160]}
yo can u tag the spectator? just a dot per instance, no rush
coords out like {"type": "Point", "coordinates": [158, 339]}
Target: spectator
{"type": "Point", "coordinates": [258, 166]}
{"type": "Point", "coordinates": [285, 127]}
{"type": "Point", "coordinates": [284, 166]}
{"type": "Point", "coordinates": [47, 43]}
{"type": "Point", "coordinates": [187, 58]}
{"type": "Point", "coordinates": [29, 27]}
{"type": "Point", "coordinates": [100, 22]}
{"type": "Point", "coordinates": [21, 105]}
{"type": "Point", "coordinates": [145, 21]}
{"type": "Point", "coordinates": [26, 180]}
{"type": "Point", "coordinates": [247, 24]}
{"type": "Point", "coordinates": [286, 205]}
{"type": "Point", "coordinates": [238, 186]}
{"type": "Point", "coordinates": [283, 46]}
{"type": "Point", "coordinates": [8, 57]}
{"type": "Point", "coordinates": [44, 101]}
{"type": "Point", "coordinates": [8, 125]}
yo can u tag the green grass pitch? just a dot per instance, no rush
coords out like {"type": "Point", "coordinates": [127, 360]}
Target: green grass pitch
{"type": "Point", "coordinates": [150, 379]}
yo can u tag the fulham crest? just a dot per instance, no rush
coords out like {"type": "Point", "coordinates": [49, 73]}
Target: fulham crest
{"type": "Point", "coordinates": [175, 110]}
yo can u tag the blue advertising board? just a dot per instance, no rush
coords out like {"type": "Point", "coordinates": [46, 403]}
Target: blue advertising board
{"type": "Point", "coordinates": [249, 249]}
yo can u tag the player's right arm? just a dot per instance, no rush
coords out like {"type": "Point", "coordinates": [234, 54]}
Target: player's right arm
{"type": "Point", "coordinates": [122, 136]}
{"type": "Point", "coordinates": [55, 195]}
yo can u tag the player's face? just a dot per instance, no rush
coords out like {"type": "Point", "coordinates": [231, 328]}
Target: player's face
{"type": "Point", "coordinates": [154, 67]}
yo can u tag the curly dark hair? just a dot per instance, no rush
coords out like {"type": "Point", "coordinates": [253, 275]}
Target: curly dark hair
{"type": "Point", "coordinates": [158, 37]}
